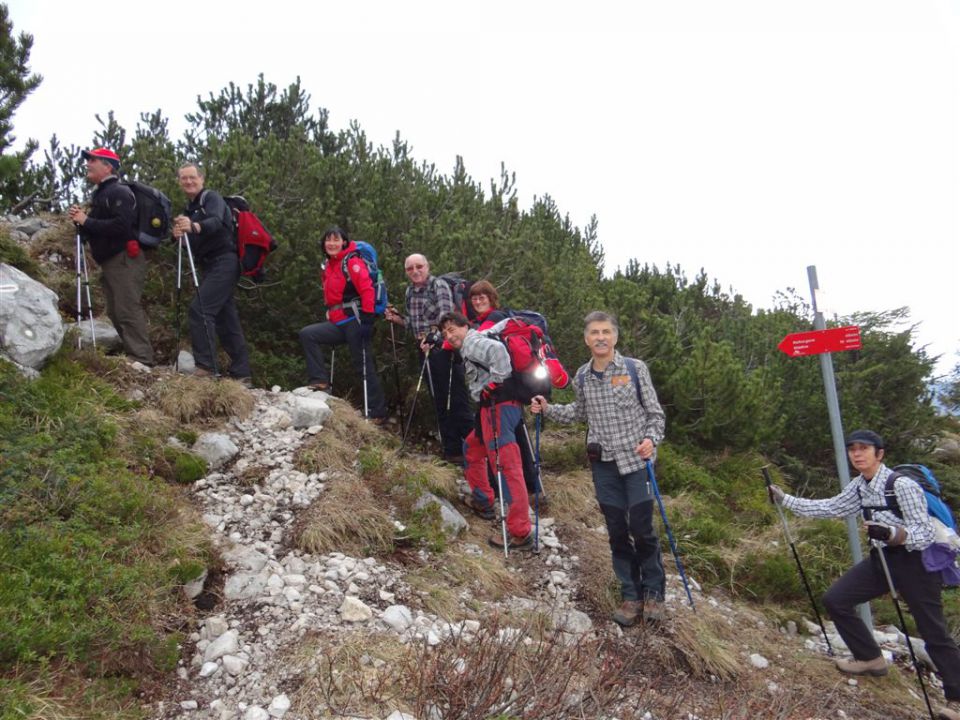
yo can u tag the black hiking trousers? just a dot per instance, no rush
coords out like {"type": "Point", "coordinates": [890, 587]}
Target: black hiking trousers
{"type": "Point", "coordinates": [921, 592]}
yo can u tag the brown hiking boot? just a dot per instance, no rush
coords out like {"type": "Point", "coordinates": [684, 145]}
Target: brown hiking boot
{"type": "Point", "coordinates": [513, 542]}
{"type": "Point", "coordinates": [626, 615]}
{"type": "Point", "coordinates": [876, 667]}
{"type": "Point", "coordinates": [480, 509]}
{"type": "Point", "coordinates": [652, 610]}
{"type": "Point", "coordinates": [202, 372]}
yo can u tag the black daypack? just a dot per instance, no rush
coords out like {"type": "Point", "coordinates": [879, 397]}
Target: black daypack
{"type": "Point", "coordinates": [460, 288]}
{"type": "Point", "coordinates": [153, 213]}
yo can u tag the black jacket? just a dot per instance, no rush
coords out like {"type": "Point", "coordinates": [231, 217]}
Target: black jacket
{"type": "Point", "coordinates": [216, 236]}
{"type": "Point", "coordinates": [110, 222]}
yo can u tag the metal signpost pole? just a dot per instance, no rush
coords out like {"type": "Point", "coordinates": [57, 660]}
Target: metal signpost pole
{"type": "Point", "coordinates": [836, 430]}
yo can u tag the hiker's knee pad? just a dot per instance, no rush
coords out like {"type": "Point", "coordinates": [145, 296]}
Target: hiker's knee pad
{"type": "Point", "coordinates": [617, 528]}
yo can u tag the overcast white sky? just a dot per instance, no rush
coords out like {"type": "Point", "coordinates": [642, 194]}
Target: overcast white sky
{"type": "Point", "coordinates": [748, 137]}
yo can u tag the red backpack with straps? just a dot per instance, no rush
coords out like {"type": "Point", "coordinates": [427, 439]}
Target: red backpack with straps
{"type": "Point", "coordinates": [536, 367]}
{"type": "Point", "coordinates": [254, 241]}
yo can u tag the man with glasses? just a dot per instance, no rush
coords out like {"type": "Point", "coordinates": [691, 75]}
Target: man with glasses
{"type": "Point", "coordinates": [428, 298]}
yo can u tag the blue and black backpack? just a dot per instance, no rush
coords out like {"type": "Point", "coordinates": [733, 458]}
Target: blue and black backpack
{"type": "Point", "coordinates": [367, 253]}
{"type": "Point", "coordinates": [924, 477]}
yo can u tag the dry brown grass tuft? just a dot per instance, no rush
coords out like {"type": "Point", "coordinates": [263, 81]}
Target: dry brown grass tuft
{"type": "Point", "coordinates": [348, 517]}
{"type": "Point", "coordinates": [190, 399]}
{"type": "Point", "coordinates": [441, 583]}
{"type": "Point", "coordinates": [350, 674]}
{"type": "Point", "coordinates": [572, 499]}
{"type": "Point", "coordinates": [336, 448]}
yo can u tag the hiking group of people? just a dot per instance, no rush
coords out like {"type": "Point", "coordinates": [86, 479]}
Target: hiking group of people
{"type": "Point", "coordinates": [206, 227]}
{"type": "Point", "coordinates": [613, 394]}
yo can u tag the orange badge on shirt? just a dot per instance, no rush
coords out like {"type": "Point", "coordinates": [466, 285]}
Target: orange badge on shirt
{"type": "Point", "coordinates": [618, 380]}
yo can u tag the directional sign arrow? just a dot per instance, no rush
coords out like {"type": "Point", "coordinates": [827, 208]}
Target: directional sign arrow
{"type": "Point", "coordinates": [816, 342]}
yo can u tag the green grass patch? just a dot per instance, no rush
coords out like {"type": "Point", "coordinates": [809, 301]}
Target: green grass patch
{"type": "Point", "coordinates": [92, 548]}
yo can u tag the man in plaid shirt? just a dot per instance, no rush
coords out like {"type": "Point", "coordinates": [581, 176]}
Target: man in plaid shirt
{"type": "Point", "coordinates": [625, 423]}
{"type": "Point", "coordinates": [901, 539]}
{"type": "Point", "coordinates": [427, 299]}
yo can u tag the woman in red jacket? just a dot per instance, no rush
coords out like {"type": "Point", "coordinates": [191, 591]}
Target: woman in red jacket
{"type": "Point", "coordinates": [350, 315]}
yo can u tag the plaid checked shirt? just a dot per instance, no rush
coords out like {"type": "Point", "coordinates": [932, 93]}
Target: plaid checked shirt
{"type": "Point", "coordinates": [614, 415]}
{"type": "Point", "coordinates": [861, 492]}
{"type": "Point", "coordinates": [426, 304]}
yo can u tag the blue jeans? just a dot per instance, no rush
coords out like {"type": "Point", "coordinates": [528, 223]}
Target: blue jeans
{"type": "Point", "coordinates": [626, 502]}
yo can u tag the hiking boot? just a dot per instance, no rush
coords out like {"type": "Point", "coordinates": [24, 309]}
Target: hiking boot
{"type": "Point", "coordinates": [319, 386]}
{"type": "Point", "coordinates": [876, 667]}
{"type": "Point", "coordinates": [201, 372]}
{"type": "Point", "coordinates": [652, 610]}
{"type": "Point", "coordinates": [626, 615]}
{"type": "Point", "coordinates": [513, 542]}
{"type": "Point", "coordinates": [948, 713]}
{"type": "Point", "coordinates": [379, 421]}
{"type": "Point", "coordinates": [454, 459]}
{"type": "Point", "coordinates": [480, 509]}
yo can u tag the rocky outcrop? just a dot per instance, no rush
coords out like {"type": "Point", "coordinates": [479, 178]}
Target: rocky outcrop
{"type": "Point", "coordinates": [31, 329]}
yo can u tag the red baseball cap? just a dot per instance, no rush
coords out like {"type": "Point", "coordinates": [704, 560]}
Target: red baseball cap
{"type": "Point", "coordinates": [102, 154]}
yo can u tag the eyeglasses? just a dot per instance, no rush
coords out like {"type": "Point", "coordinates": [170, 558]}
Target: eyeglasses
{"type": "Point", "coordinates": [408, 268]}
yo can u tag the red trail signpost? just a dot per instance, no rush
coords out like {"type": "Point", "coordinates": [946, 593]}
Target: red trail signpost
{"type": "Point", "coordinates": [817, 342]}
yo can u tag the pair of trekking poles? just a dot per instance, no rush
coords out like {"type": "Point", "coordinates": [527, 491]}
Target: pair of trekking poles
{"type": "Point", "coordinates": [184, 242]}
{"type": "Point", "coordinates": [878, 548]}
{"type": "Point", "coordinates": [83, 281]}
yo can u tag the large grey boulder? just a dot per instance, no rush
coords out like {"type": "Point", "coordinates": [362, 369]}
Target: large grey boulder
{"type": "Point", "coordinates": [108, 339]}
{"type": "Point", "coordinates": [30, 326]}
{"type": "Point", "coordinates": [307, 411]}
{"type": "Point", "coordinates": [452, 521]}
{"type": "Point", "coordinates": [29, 226]}
{"type": "Point", "coordinates": [216, 448]}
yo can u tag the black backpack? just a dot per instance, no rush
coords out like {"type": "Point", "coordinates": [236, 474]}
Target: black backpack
{"type": "Point", "coordinates": [460, 288]}
{"type": "Point", "coordinates": [153, 213]}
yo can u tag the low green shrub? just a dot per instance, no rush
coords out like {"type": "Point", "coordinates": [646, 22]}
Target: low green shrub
{"type": "Point", "coordinates": [86, 544]}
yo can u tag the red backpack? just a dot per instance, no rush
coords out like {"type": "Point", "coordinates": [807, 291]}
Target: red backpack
{"type": "Point", "coordinates": [536, 367]}
{"type": "Point", "coordinates": [254, 241]}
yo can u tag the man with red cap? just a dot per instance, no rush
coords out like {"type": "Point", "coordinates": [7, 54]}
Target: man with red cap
{"type": "Point", "coordinates": [109, 228]}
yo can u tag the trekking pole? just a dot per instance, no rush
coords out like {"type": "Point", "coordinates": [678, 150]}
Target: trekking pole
{"type": "Point", "coordinates": [433, 394]}
{"type": "Point", "coordinates": [363, 357]}
{"type": "Point", "coordinates": [176, 349]}
{"type": "Point", "coordinates": [82, 266]}
{"type": "Point", "coordinates": [203, 315]}
{"type": "Point", "coordinates": [450, 383]}
{"type": "Point", "coordinates": [536, 497]}
{"type": "Point", "coordinates": [333, 358]}
{"type": "Point", "coordinates": [496, 449]}
{"type": "Point", "coordinates": [537, 482]}
{"type": "Point", "coordinates": [666, 524]}
{"type": "Point", "coordinates": [878, 546]}
{"type": "Point", "coordinates": [796, 556]}
{"type": "Point", "coordinates": [413, 406]}
{"type": "Point", "coordinates": [396, 376]}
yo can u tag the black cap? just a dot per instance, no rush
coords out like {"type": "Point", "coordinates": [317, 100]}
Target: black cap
{"type": "Point", "coordinates": [867, 437]}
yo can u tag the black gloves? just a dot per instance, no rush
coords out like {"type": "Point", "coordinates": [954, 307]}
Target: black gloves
{"type": "Point", "coordinates": [879, 531]}
{"type": "Point", "coordinates": [366, 324]}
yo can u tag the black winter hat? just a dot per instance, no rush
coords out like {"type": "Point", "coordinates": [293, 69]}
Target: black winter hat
{"type": "Point", "coordinates": [867, 437]}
